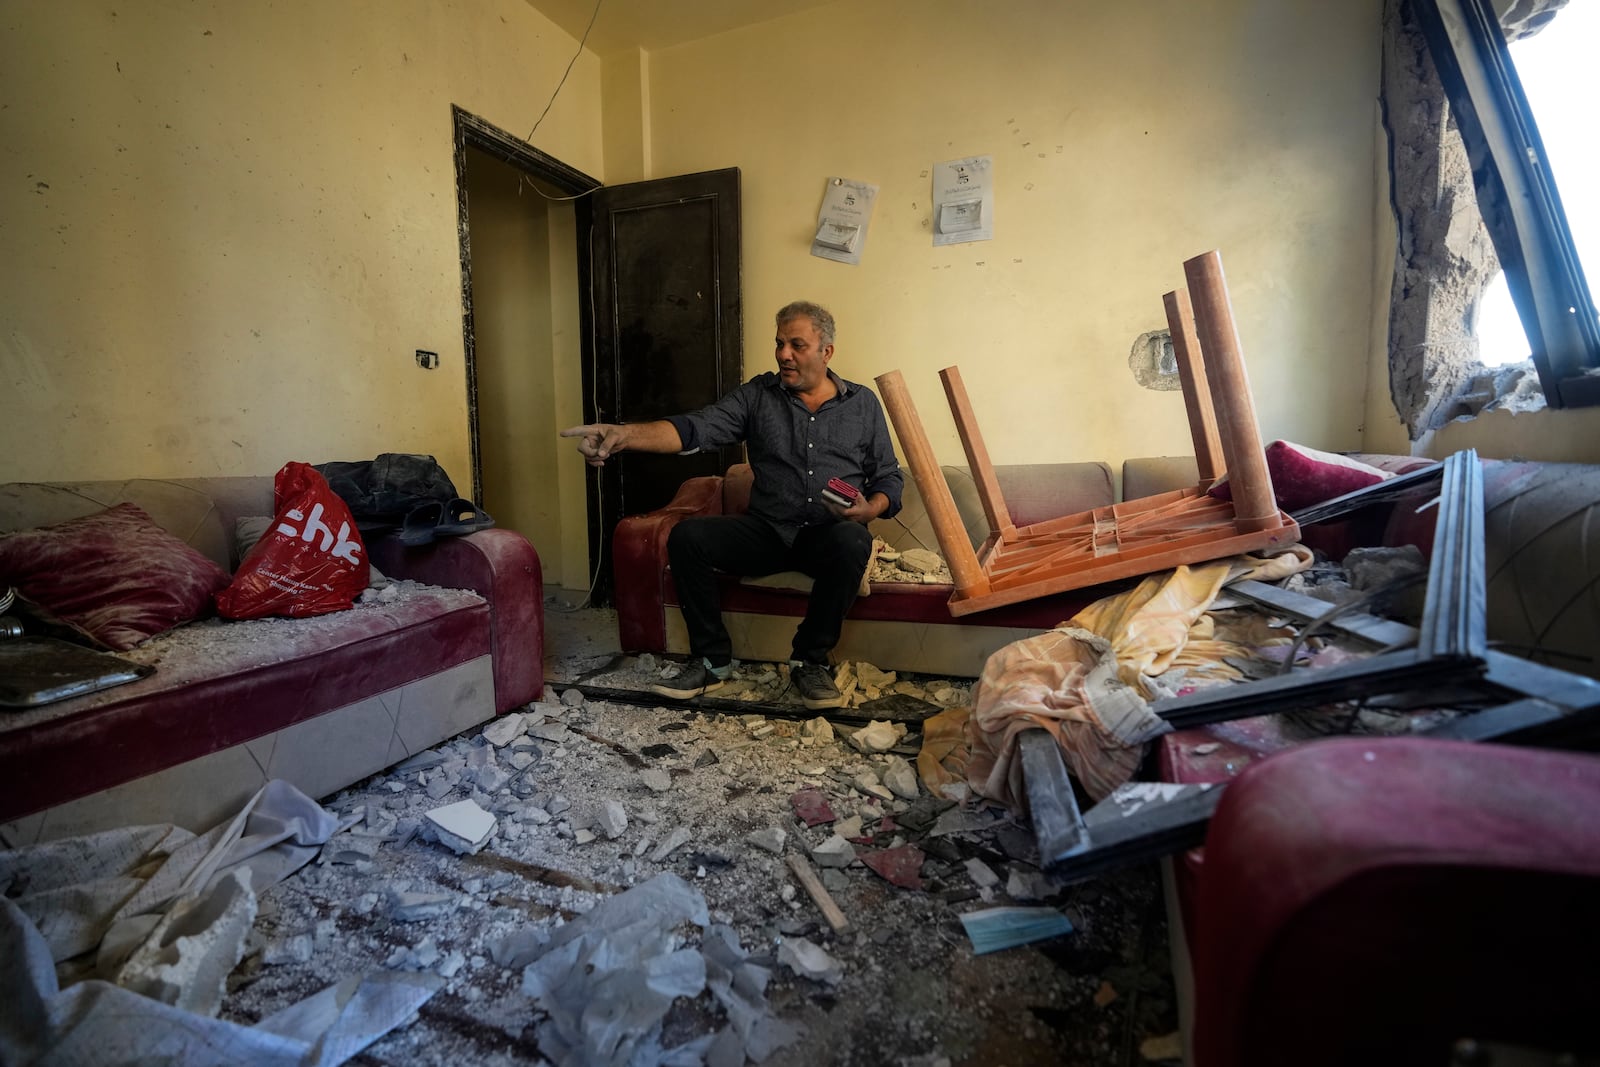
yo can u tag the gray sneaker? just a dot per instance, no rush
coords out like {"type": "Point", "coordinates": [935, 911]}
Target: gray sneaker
{"type": "Point", "coordinates": [814, 683]}
{"type": "Point", "coordinates": [692, 680]}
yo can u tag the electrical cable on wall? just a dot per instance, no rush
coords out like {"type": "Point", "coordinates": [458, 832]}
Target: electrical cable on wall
{"type": "Point", "coordinates": [523, 180]}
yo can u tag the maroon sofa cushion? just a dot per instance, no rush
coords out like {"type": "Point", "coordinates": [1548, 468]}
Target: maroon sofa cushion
{"type": "Point", "coordinates": [1374, 900]}
{"type": "Point", "coordinates": [1304, 476]}
{"type": "Point", "coordinates": [114, 574]}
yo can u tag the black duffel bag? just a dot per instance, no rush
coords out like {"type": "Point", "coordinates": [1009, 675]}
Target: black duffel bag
{"type": "Point", "coordinates": [382, 492]}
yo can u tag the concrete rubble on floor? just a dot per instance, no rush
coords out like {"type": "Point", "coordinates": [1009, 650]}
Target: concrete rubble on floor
{"type": "Point", "coordinates": [584, 882]}
{"type": "Point", "coordinates": [145, 926]}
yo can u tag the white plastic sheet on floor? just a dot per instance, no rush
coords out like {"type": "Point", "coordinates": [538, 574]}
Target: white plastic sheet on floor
{"type": "Point", "coordinates": [139, 899]}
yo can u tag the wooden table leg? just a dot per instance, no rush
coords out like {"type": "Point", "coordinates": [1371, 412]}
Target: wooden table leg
{"type": "Point", "coordinates": [965, 570]}
{"type": "Point", "coordinates": [1254, 507]}
{"type": "Point", "coordinates": [1208, 454]}
{"type": "Point", "coordinates": [994, 504]}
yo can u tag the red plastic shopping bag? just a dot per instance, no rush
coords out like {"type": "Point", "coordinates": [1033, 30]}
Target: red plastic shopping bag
{"type": "Point", "coordinates": [312, 561]}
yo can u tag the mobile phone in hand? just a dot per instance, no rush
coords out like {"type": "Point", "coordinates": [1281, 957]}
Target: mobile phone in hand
{"type": "Point", "coordinates": [841, 492]}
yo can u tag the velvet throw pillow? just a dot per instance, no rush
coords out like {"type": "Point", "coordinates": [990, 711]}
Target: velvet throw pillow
{"type": "Point", "coordinates": [1304, 476]}
{"type": "Point", "coordinates": [114, 574]}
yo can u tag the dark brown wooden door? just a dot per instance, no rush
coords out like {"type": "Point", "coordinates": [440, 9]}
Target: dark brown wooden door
{"type": "Point", "coordinates": [667, 333]}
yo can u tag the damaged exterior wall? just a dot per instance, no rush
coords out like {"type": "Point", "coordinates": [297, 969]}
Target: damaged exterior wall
{"type": "Point", "coordinates": [1444, 257]}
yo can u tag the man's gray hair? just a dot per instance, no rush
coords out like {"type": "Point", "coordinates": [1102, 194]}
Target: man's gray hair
{"type": "Point", "coordinates": [820, 318]}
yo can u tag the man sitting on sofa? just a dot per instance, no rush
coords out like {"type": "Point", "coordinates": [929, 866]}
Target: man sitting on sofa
{"type": "Point", "coordinates": [803, 426]}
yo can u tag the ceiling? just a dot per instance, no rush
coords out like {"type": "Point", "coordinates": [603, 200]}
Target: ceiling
{"type": "Point", "coordinates": [654, 24]}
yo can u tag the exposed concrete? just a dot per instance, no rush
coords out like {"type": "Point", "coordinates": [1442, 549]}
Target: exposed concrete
{"type": "Point", "coordinates": [186, 959]}
{"type": "Point", "coordinates": [1444, 257]}
{"type": "Point", "coordinates": [1153, 362]}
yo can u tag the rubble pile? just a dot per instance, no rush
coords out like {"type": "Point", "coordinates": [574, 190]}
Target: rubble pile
{"type": "Point", "coordinates": [607, 883]}
{"type": "Point", "coordinates": [915, 565]}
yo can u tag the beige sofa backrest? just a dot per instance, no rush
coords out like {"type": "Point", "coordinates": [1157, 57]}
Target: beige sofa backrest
{"type": "Point", "coordinates": [200, 511]}
{"type": "Point", "coordinates": [1033, 492]}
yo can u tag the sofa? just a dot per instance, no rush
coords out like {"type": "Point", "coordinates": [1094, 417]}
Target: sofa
{"type": "Point", "coordinates": [901, 626]}
{"type": "Point", "coordinates": [1377, 903]}
{"type": "Point", "coordinates": [320, 702]}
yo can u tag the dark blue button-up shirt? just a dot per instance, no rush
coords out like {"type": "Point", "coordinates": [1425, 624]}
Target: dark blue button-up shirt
{"type": "Point", "coordinates": [794, 451]}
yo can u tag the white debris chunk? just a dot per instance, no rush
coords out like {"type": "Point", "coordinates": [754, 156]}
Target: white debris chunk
{"type": "Point", "coordinates": [1029, 885]}
{"type": "Point", "coordinates": [873, 677]}
{"type": "Point", "coordinates": [981, 875]}
{"type": "Point", "coordinates": [410, 906]}
{"type": "Point", "coordinates": [463, 826]}
{"type": "Point", "coordinates": [612, 820]}
{"type": "Point", "coordinates": [771, 839]}
{"type": "Point", "coordinates": [901, 778]}
{"type": "Point", "coordinates": [504, 730]}
{"type": "Point", "coordinates": [656, 780]}
{"type": "Point", "coordinates": [555, 732]}
{"type": "Point", "coordinates": [350, 848]}
{"type": "Point", "coordinates": [920, 561]}
{"type": "Point", "coordinates": [869, 784]}
{"type": "Point", "coordinates": [879, 735]}
{"type": "Point", "coordinates": [671, 844]}
{"type": "Point", "coordinates": [834, 852]}
{"type": "Point", "coordinates": [818, 729]}
{"type": "Point", "coordinates": [186, 959]}
{"type": "Point", "coordinates": [809, 960]}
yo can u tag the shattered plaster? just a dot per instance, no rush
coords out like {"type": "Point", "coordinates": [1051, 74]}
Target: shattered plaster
{"type": "Point", "coordinates": [1153, 361]}
{"type": "Point", "coordinates": [1444, 257]}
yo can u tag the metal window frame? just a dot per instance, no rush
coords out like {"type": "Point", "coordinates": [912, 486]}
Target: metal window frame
{"type": "Point", "coordinates": [1524, 702]}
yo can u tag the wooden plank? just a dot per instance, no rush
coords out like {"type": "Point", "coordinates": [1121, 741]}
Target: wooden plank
{"type": "Point", "coordinates": [818, 892]}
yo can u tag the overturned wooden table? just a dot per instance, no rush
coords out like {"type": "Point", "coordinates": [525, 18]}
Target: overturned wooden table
{"type": "Point", "coordinates": [1123, 540]}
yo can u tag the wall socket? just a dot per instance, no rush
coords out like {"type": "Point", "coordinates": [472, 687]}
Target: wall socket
{"type": "Point", "coordinates": [427, 360]}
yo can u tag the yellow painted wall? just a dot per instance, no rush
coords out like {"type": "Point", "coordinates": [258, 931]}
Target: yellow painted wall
{"type": "Point", "coordinates": [229, 225]}
{"type": "Point", "coordinates": [511, 331]}
{"type": "Point", "coordinates": [1126, 138]}
{"type": "Point", "coordinates": [625, 97]}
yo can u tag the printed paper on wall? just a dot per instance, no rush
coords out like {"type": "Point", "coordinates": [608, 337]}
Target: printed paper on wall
{"type": "Point", "coordinates": [963, 201]}
{"type": "Point", "coordinates": [842, 222]}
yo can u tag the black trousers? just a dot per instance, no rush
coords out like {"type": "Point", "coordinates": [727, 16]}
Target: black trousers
{"type": "Point", "coordinates": [834, 555]}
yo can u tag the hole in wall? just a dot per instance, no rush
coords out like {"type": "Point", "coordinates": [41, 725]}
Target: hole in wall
{"type": "Point", "coordinates": [1153, 361]}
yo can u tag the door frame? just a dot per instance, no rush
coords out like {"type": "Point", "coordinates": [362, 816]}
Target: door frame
{"type": "Point", "coordinates": [474, 132]}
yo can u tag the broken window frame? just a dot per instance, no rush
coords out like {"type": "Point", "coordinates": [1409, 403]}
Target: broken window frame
{"type": "Point", "coordinates": [1517, 196]}
{"type": "Point", "coordinates": [1522, 702]}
